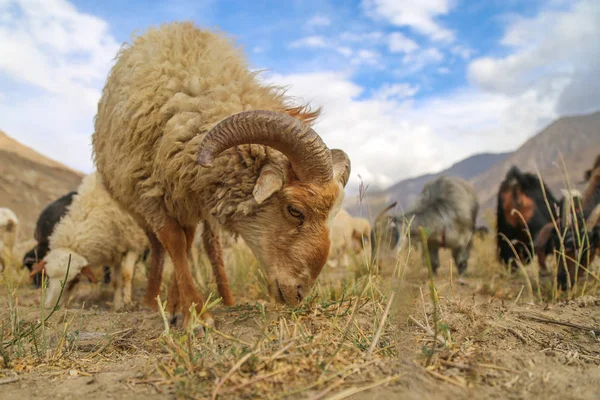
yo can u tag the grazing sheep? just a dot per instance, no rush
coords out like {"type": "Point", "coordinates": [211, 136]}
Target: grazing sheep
{"type": "Point", "coordinates": [348, 235]}
{"type": "Point", "coordinates": [95, 231]}
{"type": "Point", "coordinates": [523, 192]}
{"type": "Point", "coordinates": [446, 209]}
{"type": "Point", "coordinates": [185, 132]}
{"type": "Point", "coordinates": [9, 228]}
{"type": "Point", "coordinates": [46, 222]}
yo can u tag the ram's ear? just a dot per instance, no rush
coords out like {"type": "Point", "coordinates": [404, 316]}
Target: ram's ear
{"type": "Point", "coordinates": [269, 182]}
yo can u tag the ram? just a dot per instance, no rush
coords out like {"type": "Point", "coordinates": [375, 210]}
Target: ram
{"type": "Point", "coordinates": [186, 132]}
{"type": "Point", "coordinates": [94, 232]}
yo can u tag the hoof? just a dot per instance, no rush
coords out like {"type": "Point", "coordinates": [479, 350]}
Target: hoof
{"type": "Point", "coordinates": [545, 273]}
{"type": "Point", "coordinates": [175, 320]}
{"type": "Point", "coordinates": [461, 281]}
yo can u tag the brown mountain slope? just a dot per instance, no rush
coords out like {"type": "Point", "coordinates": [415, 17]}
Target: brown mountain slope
{"type": "Point", "coordinates": [29, 181]}
{"type": "Point", "coordinates": [576, 138]}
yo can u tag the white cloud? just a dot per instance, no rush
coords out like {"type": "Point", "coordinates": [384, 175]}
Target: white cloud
{"type": "Point", "coordinates": [345, 51]}
{"type": "Point", "coordinates": [363, 56]}
{"type": "Point", "coordinates": [362, 37]}
{"type": "Point", "coordinates": [554, 53]}
{"type": "Point", "coordinates": [389, 138]}
{"type": "Point", "coordinates": [416, 61]}
{"type": "Point", "coordinates": [50, 48]}
{"type": "Point", "coordinates": [398, 43]}
{"type": "Point", "coordinates": [318, 21]}
{"type": "Point", "coordinates": [462, 51]}
{"type": "Point", "coordinates": [310, 42]}
{"type": "Point", "coordinates": [396, 90]}
{"type": "Point", "coordinates": [417, 14]}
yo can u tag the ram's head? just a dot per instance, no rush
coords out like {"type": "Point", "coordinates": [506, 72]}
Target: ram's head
{"type": "Point", "coordinates": [289, 232]}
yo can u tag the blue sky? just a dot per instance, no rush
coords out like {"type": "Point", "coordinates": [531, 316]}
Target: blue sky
{"type": "Point", "coordinates": [408, 87]}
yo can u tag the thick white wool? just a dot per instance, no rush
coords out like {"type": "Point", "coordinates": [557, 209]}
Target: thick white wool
{"type": "Point", "coordinates": [95, 231]}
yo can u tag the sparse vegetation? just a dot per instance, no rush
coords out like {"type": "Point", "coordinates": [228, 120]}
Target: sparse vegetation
{"type": "Point", "coordinates": [360, 332]}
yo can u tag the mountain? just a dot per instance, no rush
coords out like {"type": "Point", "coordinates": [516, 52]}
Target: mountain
{"type": "Point", "coordinates": [575, 138]}
{"type": "Point", "coordinates": [29, 181]}
{"type": "Point", "coordinates": [405, 192]}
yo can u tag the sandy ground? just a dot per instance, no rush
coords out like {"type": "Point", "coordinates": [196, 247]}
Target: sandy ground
{"type": "Point", "coordinates": [498, 345]}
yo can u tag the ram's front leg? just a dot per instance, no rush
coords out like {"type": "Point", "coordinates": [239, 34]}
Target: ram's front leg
{"type": "Point", "coordinates": [173, 237]}
{"type": "Point", "coordinates": [212, 245]}
{"type": "Point", "coordinates": [157, 261]}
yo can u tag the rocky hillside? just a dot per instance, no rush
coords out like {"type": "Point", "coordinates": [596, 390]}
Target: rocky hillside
{"type": "Point", "coordinates": [29, 181]}
{"type": "Point", "coordinates": [575, 138]}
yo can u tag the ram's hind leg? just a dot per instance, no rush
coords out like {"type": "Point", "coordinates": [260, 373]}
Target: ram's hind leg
{"type": "Point", "coordinates": [173, 294]}
{"type": "Point", "coordinates": [173, 237]}
{"type": "Point", "coordinates": [212, 245]}
{"type": "Point", "coordinates": [157, 261]}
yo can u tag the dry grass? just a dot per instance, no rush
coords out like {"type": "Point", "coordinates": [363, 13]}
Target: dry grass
{"type": "Point", "coordinates": [399, 330]}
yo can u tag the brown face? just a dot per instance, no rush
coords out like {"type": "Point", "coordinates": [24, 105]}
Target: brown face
{"type": "Point", "coordinates": [290, 236]}
{"type": "Point", "coordinates": [514, 198]}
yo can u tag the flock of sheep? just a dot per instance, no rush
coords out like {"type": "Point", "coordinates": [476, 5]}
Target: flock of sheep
{"type": "Point", "coordinates": [189, 145]}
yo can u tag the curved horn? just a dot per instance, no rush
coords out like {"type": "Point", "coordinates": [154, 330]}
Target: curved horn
{"type": "Point", "coordinates": [309, 156]}
{"type": "Point", "coordinates": [341, 166]}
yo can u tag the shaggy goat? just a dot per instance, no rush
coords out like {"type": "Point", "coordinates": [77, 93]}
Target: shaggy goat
{"type": "Point", "coordinates": [185, 132]}
{"type": "Point", "coordinates": [524, 193]}
{"type": "Point", "coordinates": [446, 209]}
{"type": "Point", "coordinates": [95, 231]}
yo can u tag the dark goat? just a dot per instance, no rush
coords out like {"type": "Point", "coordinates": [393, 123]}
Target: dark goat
{"type": "Point", "coordinates": [578, 232]}
{"type": "Point", "coordinates": [591, 194]}
{"type": "Point", "coordinates": [578, 229]}
{"type": "Point", "coordinates": [523, 192]}
{"type": "Point", "coordinates": [48, 218]}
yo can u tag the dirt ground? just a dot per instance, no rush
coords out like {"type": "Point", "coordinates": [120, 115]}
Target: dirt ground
{"type": "Point", "coordinates": [494, 341]}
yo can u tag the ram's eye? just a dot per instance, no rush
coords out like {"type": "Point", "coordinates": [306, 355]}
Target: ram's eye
{"type": "Point", "coordinates": [295, 213]}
